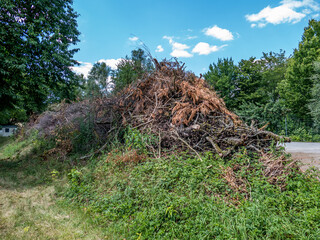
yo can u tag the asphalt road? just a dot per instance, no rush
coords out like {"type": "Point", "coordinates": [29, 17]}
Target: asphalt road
{"type": "Point", "coordinates": [307, 153]}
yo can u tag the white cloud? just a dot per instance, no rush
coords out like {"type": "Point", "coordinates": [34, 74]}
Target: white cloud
{"type": "Point", "coordinates": [179, 46]}
{"type": "Point", "coordinates": [180, 53]}
{"type": "Point", "coordinates": [111, 62]}
{"type": "Point", "coordinates": [133, 39]}
{"type": "Point", "coordinates": [261, 25]}
{"type": "Point", "coordinates": [168, 38]}
{"type": "Point", "coordinates": [85, 67]}
{"type": "Point", "coordinates": [219, 33]}
{"type": "Point", "coordinates": [304, 3]}
{"type": "Point", "coordinates": [306, 11]}
{"type": "Point", "coordinates": [178, 49]}
{"type": "Point", "coordinates": [159, 48]}
{"type": "Point", "coordinates": [276, 15]}
{"type": "Point", "coordinates": [289, 11]}
{"type": "Point", "coordinates": [203, 48]}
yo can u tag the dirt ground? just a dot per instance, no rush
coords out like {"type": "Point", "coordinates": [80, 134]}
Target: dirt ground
{"type": "Point", "coordinates": [307, 153]}
{"type": "Point", "coordinates": [307, 159]}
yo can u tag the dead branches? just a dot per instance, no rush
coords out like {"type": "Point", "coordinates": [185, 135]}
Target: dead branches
{"type": "Point", "coordinates": [173, 104]}
{"type": "Point", "coordinates": [182, 107]}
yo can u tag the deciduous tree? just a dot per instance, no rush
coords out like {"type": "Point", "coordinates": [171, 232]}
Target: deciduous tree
{"type": "Point", "coordinates": [36, 38]}
{"type": "Point", "coordinates": [314, 105]}
{"type": "Point", "coordinates": [297, 85]}
{"type": "Point", "coordinates": [131, 69]}
{"type": "Point", "coordinates": [223, 76]}
{"type": "Point", "coordinates": [98, 83]}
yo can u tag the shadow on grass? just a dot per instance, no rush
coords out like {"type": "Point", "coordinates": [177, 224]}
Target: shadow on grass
{"type": "Point", "coordinates": [5, 140]}
{"type": "Point", "coordinates": [28, 171]}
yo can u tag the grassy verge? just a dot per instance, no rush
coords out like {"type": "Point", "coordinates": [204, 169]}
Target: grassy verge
{"type": "Point", "coordinates": [184, 198]}
{"type": "Point", "coordinates": [29, 205]}
{"type": "Point", "coordinates": [123, 194]}
{"type": "Point", "coordinates": [303, 135]}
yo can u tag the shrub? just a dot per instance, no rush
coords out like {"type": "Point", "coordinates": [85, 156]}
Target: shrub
{"type": "Point", "coordinates": [182, 197]}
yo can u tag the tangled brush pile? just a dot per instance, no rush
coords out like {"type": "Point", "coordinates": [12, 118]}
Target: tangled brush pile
{"type": "Point", "coordinates": [170, 103]}
{"type": "Point", "coordinates": [186, 113]}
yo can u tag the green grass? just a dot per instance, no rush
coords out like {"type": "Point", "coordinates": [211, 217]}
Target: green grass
{"type": "Point", "coordinates": [184, 198]}
{"type": "Point", "coordinates": [122, 194]}
{"type": "Point", "coordinates": [29, 205]}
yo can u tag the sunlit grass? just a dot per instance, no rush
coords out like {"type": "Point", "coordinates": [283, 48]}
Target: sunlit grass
{"type": "Point", "coordinates": [123, 194]}
{"type": "Point", "coordinates": [29, 205]}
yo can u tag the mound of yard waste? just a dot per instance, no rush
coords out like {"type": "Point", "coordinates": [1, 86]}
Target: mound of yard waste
{"type": "Point", "coordinates": [185, 112]}
{"type": "Point", "coordinates": [170, 103]}
{"type": "Point", "coordinates": [175, 163]}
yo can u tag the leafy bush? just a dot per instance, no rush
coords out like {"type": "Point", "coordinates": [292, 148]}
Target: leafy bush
{"type": "Point", "coordinates": [184, 198]}
{"type": "Point", "coordinates": [84, 138]}
{"type": "Point", "coordinates": [133, 138]}
{"type": "Point", "coordinates": [302, 135]}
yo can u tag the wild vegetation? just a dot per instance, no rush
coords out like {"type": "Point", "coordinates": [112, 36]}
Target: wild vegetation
{"type": "Point", "coordinates": [36, 54]}
{"type": "Point", "coordinates": [146, 182]}
{"type": "Point", "coordinates": [274, 89]}
{"type": "Point", "coordinates": [149, 150]}
{"type": "Point", "coordinates": [124, 192]}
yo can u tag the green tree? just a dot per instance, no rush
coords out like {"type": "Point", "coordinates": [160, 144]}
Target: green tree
{"type": "Point", "coordinates": [250, 89]}
{"type": "Point", "coordinates": [131, 69]}
{"type": "Point", "coordinates": [314, 105]}
{"type": "Point", "coordinates": [250, 81]}
{"type": "Point", "coordinates": [261, 101]}
{"type": "Point", "coordinates": [223, 77]}
{"type": "Point", "coordinates": [35, 54]}
{"type": "Point", "coordinates": [273, 67]}
{"type": "Point", "coordinates": [97, 84]}
{"type": "Point", "coordinates": [297, 85]}
{"type": "Point", "coordinates": [259, 95]}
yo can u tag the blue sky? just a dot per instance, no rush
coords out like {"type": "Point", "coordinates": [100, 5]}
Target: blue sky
{"type": "Point", "coordinates": [196, 32]}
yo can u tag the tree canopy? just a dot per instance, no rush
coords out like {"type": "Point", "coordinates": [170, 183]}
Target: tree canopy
{"type": "Point", "coordinates": [297, 85]}
{"type": "Point", "coordinates": [274, 89]}
{"type": "Point", "coordinates": [223, 75]}
{"type": "Point", "coordinates": [36, 54]}
{"type": "Point", "coordinates": [131, 69]}
{"type": "Point", "coordinates": [98, 83]}
{"type": "Point", "coordinates": [314, 105]}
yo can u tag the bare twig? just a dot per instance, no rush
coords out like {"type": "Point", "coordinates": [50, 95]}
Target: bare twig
{"type": "Point", "coordinates": [177, 135]}
{"type": "Point", "coordinates": [100, 149]}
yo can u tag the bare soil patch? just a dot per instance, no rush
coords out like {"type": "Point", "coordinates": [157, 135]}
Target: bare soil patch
{"type": "Point", "coordinates": [307, 160]}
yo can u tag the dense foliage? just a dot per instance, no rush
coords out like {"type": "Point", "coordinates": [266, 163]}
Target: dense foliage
{"type": "Point", "coordinates": [35, 55]}
{"type": "Point", "coordinates": [97, 84]}
{"type": "Point", "coordinates": [314, 105]}
{"type": "Point", "coordinates": [128, 195]}
{"type": "Point", "coordinates": [131, 69]}
{"type": "Point", "coordinates": [275, 90]}
{"type": "Point", "coordinates": [182, 197]}
{"type": "Point", "coordinates": [297, 85]}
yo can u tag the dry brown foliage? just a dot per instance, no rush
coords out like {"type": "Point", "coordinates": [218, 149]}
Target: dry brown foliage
{"type": "Point", "coordinates": [128, 157]}
{"type": "Point", "coordinates": [171, 103]}
{"type": "Point", "coordinates": [277, 168]}
{"type": "Point", "coordinates": [236, 183]}
{"type": "Point", "coordinates": [187, 113]}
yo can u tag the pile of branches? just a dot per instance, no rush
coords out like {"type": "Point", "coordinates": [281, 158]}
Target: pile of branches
{"type": "Point", "coordinates": [186, 113]}
{"type": "Point", "coordinates": [171, 103]}
{"type": "Point", "coordinates": [181, 110]}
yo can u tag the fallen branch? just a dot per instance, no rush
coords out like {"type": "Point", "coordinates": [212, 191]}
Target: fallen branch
{"type": "Point", "coordinates": [99, 150]}
{"type": "Point", "coordinates": [177, 135]}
